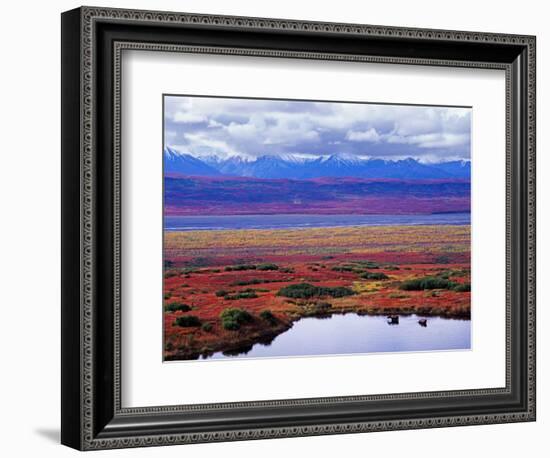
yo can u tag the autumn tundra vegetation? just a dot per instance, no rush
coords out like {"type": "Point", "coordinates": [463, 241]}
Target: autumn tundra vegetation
{"type": "Point", "coordinates": [226, 290]}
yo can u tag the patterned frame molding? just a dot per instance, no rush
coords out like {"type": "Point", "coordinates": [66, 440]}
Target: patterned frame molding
{"type": "Point", "coordinates": [88, 434]}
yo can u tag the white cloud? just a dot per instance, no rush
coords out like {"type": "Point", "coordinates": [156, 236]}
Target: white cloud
{"type": "Point", "coordinates": [188, 118]}
{"type": "Point", "coordinates": [435, 140]}
{"type": "Point", "coordinates": [212, 123]}
{"type": "Point", "coordinates": [249, 131]}
{"type": "Point", "coordinates": [252, 127]}
{"type": "Point", "coordinates": [370, 135]}
{"type": "Point", "coordinates": [201, 144]}
{"type": "Point", "coordinates": [291, 137]}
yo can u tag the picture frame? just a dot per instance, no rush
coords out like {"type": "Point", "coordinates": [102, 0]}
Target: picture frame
{"type": "Point", "coordinates": [93, 416]}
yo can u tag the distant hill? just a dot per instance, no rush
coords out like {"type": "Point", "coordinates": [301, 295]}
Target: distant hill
{"type": "Point", "coordinates": [294, 167]}
{"type": "Point", "coordinates": [244, 195]}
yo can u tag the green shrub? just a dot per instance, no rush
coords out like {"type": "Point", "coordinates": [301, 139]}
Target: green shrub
{"type": "Point", "coordinates": [462, 288]}
{"type": "Point", "coordinates": [207, 327]}
{"type": "Point", "coordinates": [189, 270]}
{"type": "Point", "coordinates": [221, 293]}
{"type": "Point", "coordinates": [256, 281]}
{"type": "Point", "coordinates": [374, 276]}
{"type": "Point", "coordinates": [268, 316]}
{"type": "Point", "coordinates": [253, 281]}
{"type": "Point", "coordinates": [267, 266]}
{"type": "Point", "coordinates": [368, 264]}
{"type": "Point", "coordinates": [246, 294]}
{"type": "Point", "coordinates": [240, 267]}
{"type": "Point", "coordinates": [240, 315]}
{"type": "Point", "coordinates": [306, 291]}
{"type": "Point", "coordinates": [233, 318]}
{"type": "Point", "coordinates": [419, 284]}
{"type": "Point", "coordinates": [177, 307]}
{"type": "Point", "coordinates": [299, 291]}
{"type": "Point", "coordinates": [338, 291]}
{"type": "Point", "coordinates": [344, 269]}
{"type": "Point", "coordinates": [231, 325]}
{"type": "Point", "coordinates": [453, 273]}
{"type": "Point", "coordinates": [187, 321]}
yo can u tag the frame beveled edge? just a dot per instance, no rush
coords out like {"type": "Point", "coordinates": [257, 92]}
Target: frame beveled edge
{"type": "Point", "coordinates": [85, 18]}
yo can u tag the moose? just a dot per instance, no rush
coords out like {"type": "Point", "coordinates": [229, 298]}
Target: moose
{"type": "Point", "coordinates": [393, 319]}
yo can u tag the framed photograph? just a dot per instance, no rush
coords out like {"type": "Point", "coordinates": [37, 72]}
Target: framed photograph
{"type": "Point", "coordinates": [276, 228]}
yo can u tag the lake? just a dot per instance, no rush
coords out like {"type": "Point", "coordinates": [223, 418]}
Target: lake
{"type": "Point", "coordinates": [225, 222]}
{"type": "Point", "coordinates": [352, 333]}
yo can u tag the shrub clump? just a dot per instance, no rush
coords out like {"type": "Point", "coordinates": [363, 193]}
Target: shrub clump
{"type": "Point", "coordinates": [233, 318]}
{"type": "Point", "coordinates": [177, 307]}
{"type": "Point", "coordinates": [419, 284]}
{"type": "Point", "coordinates": [240, 267]}
{"type": "Point", "coordinates": [267, 266]}
{"type": "Point", "coordinates": [268, 316]}
{"type": "Point", "coordinates": [187, 321]}
{"type": "Point", "coordinates": [374, 276]}
{"type": "Point", "coordinates": [462, 288]}
{"type": "Point", "coordinates": [344, 269]}
{"type": "Point", "coordinates": [255, 281]}
{"type": "Point", "coordinates": [246, 294]}
{"type": "Point", "coordinates": [207, 327]}
{"type": "Point", "coordinates": [368, 264]}
{"type": "Point", "coordinates": [221, 293]}
{"type": "Point", "coordinates": [189, 270]}
{"type": "Point", "coordinates": [391, 267]}
{"type": "Point", "coordinates": [306, 291]}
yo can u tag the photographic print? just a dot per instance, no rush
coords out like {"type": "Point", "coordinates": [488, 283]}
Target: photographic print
{"type": "Point", "coordinates": [311, 228]}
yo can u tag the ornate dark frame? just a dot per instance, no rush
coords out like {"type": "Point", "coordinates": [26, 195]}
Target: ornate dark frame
{"type": "Point", "coordinates": [92, 42]}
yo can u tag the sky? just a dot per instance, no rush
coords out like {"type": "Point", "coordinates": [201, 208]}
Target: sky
{"type": "Point", "coordinates": [226, 127]}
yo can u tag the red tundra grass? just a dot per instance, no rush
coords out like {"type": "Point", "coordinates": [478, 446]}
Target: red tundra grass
{"type": "Point", "coordinates": [207, 272]}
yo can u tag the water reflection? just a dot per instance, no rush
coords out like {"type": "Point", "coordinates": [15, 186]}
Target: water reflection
{"type": "Point", "coordinates": [352, 333]}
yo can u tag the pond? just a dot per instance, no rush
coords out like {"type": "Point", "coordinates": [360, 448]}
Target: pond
{"type": "Point", "coordinates": [352, 333]}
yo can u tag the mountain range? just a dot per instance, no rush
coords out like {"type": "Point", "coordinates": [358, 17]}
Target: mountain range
{"type": "Point", "coordinates": [300, 168]}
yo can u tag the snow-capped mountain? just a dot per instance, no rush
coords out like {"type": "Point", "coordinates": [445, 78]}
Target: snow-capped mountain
{"type": "Point", "coordinates": [186, 164]}
{"type": "Point", "coordinates": [459, 169]}
{"type": "Point", "coordinates": [305, 167]}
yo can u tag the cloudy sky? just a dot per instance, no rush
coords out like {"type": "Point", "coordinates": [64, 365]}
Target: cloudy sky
{"type": "Point", "coordinates": [247, 127]}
